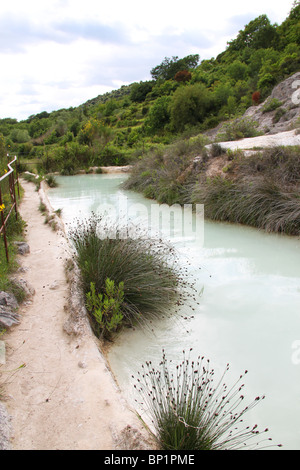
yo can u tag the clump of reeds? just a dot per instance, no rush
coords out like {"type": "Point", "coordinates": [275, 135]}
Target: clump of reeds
{"type": "Point", "coordinates": [189, 412]}
{"type": "Point", "coordinates": [281, 164]}
{"type": "Point", "coordinates": [51, 181]}
{"type": "Point", "coordinates": [158, 175]}
{"type": "Point", "coordinates": [258, 202]}
{"type": "Point", "coordinates": [147, 268]}
{"type": "Point", "coordinates": [261, 190]}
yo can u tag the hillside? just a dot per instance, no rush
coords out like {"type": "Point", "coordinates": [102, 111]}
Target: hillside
{"type": "Point", "coordinates": [185, 97]}
{"type": "Point", "coordinates": [280, 112]}
{"type": "Point", "coordinates": [246, 170]}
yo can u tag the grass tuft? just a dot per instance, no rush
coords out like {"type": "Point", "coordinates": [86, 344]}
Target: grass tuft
{"type": "Point", "coordinates": [146, 268]}
{"type": "Point", "coordinates": [189, 412]}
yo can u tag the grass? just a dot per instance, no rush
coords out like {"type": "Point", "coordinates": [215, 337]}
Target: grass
{"type": "Point", "coordinates": [189, 412]}
{"type": "Point", "coordinates": [261, 190]}
{"type": "Point", "coordinates": [7, 269]}
{"type": "Point", "coordinates": [238, 129]}
{"type": "Point", "coordinates": [158, 175]}
{"type": "Point", "coordinates": [146, 269]}
{"type": "Point", "coordinates": [14, 232]}
{"type": "Point", "coordinates": [255, 202]}
{"type": "Point", "coordinates": [51, 181]}
{"type": "Point", "coordinates": [32, 178]}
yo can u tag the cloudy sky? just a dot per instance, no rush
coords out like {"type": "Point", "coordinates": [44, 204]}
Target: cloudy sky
{"type": "Point", "coordinates": [59, 53]}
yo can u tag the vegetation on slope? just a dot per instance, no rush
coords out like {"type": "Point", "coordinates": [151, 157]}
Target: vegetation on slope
{"type": "Point", "coordinates": [261, 190]}
{"type": "Point", "coordinates": [184, 97]}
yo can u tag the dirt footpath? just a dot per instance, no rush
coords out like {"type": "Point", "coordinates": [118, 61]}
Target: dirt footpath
{"type": "Point", "coordinates": [64, 397]}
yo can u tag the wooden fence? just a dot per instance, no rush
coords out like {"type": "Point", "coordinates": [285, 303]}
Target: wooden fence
{"type": "Point", "coordinates": [12, 174]}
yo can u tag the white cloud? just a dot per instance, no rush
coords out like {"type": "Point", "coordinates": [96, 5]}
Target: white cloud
{"type": "Point", "coordinates": [57, 54]}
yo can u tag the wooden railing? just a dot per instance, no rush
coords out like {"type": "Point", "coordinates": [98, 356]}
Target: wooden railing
{"type": "Point", "coordinates": [13, 181]}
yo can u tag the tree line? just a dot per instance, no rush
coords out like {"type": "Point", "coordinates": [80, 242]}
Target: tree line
{"type": "Point", "coordinates": [184, 96]}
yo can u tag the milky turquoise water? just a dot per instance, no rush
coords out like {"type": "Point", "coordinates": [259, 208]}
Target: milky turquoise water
{"type": "Point", "coordinates": [247, 310]}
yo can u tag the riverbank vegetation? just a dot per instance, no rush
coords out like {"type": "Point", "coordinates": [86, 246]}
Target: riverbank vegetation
{"type": "Point", "coordinates": [261, 190]}
{"type": "Point", "coordinates": [127, 280]}
{"type": "Point", "coordinates": [189, 411]}
{"type": "Point", "coordinates": [184, 97]}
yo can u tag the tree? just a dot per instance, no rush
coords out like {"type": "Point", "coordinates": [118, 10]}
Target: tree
{"type": "Point", "coordinates": [183, 76]}
{"type": "Point", "coordinates": [94, 131]}
{"type": "Point", "coordinates": [237, 70]}
{"type": "Point", "coordinates": [169, 67]}
{"type": "Point", "coordinates": [139, 91]}
{"type": "Point", "coordinates": [61, 127]}
{"type": "Point", "coordinates": [75, 127]}
{"type": "Point", "coordinates": [231, 105]}
{"type": "Point", "coordinates": [38, 127]}
{"type": "Point", "coordinates": [289, 30]}
{"type": "Point", "coordinates": [158, 116]}
{"type": "Point", "coordinates": [259, 33]}
{"type": "Point", "coordinates": [19, 135]}
{"type": "Point", "coordinates": [189, 106]}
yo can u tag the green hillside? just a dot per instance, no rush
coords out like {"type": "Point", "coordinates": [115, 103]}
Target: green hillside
{"type": "Point", "coordinates": [185, 97]}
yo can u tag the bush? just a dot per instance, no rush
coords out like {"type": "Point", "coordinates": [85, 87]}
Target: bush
{"type": "Point", "coordinates": [158, 116]}
{"type": "Point", "coordinates": [217, 150]}
{"type": "Point", "coordinates": [278, 115]}
{"type": "Point", "coordinates": [281, 164]}
{"type": "Point", "coordinates": [256, 97]}
{"type": "Point", "coordinates": [189, 106]}
{"type": "Point", "coordinates": [106, 308]}
{"type": "Point", "coordinates": [238, 129]}
{"type": "Point", "coordinates": [271, 105]}
{"type": "Point", "coordinates": [183, 76]}
{"type": "Point", "coordinates": [159, 175]}
{"type": "Point", "coordinates": [146, 268]}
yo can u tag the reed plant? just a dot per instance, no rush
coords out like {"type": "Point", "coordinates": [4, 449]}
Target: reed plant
{"type": "Point", "coordinates": [190, 412]}
{"type": "Point", "coordinates": [280, 163]}
{"type": "Point", "coordinates": [158, 175]}
{"type": "Point", "coordinates": [147, 268]}
{"type": "Point", "coordinates": [257, 202]}
{"type": "Point", "coordinates": [51, 181]}
{"type": "Point", "coordinates": [261, 190]}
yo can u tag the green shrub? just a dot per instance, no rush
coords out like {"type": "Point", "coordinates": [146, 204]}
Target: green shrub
{"type": "Point", "coordinates": [238, 129]}
{"type": "Point", "coordinates": [278, 115]}
{"type": "Point", "coordinates": [271, 105]}
{"type": "Point", "coordinates": [189, 106]}
{"type": "Point", "coordinates": [158, 174]}
{"type": "Point", "coordinates": [282, 164]}
{"type": "Point", "coordinates": [106, 308]}
{"type": "Point", "coordinates": [146, 268]}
